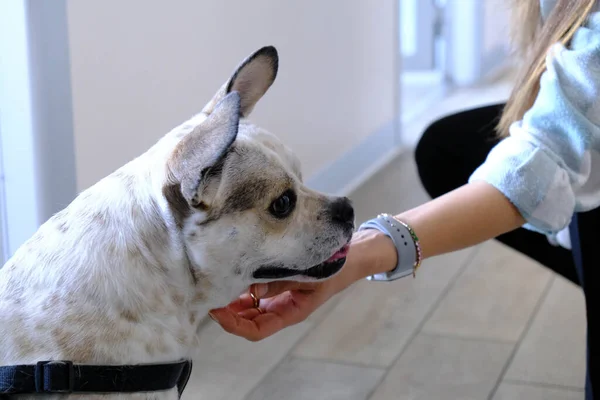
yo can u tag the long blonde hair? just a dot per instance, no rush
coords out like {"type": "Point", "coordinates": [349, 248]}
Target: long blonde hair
{"type": "Point", "coordinates": [533, 40]}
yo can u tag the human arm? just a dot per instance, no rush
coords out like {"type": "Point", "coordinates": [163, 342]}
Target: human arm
{"type": "Point", "coordinates": [545, 171]}
{"type": "Point", "coordinates": [467, 216]}
{"type": "Point", "coordinates": [549, 166]}
{"type": "Point", "coordinates": [462, 218]}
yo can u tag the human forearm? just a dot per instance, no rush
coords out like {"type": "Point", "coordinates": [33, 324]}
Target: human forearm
{"type": "Point", "coordinates": [467, 216]}
{"type": "Point", "coordinates": [462, 218]}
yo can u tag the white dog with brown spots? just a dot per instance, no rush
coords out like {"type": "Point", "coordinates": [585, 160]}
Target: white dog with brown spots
{"type": "Point", "coordinates": [125, 273]}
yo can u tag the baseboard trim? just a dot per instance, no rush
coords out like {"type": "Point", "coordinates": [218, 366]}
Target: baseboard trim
{"type": "Point", "coordinates": [345, 174]}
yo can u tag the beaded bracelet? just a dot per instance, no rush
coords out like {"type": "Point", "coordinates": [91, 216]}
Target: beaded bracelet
{"type": "Point", "coordinates": [409, 259]}
{"type": "Point", "coordinates": [417, 244]}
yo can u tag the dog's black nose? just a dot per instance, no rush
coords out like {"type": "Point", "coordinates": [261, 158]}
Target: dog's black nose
{"type": "Point", "coordinates": [342, 211]}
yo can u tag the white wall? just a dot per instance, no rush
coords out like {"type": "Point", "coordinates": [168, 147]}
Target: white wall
{"type": "Point", "coordinates": [140, 67]}
{"type": "Point", "coordinates": [38, 169]}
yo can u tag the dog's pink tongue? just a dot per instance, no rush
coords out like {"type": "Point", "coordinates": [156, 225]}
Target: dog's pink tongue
{"type": "Point", "coordinates": [341, 253]}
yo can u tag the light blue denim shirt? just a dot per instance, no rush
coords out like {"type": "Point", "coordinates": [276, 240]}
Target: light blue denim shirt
{"type": "Point", "coordinates": [549, 166]}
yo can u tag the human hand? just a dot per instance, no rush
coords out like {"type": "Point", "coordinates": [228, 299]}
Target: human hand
{"type": "Point", "coordinates": [282, 304]}
{"type": "Point", "coordinates": [285, 303]}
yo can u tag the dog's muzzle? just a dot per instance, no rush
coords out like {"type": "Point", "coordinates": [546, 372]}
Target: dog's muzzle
{"type": "Point", "coordinates": [64, 377]}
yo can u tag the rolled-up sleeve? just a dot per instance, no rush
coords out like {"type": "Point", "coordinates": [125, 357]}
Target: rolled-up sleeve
{"type": "Point", "coordinates": [549, 166]}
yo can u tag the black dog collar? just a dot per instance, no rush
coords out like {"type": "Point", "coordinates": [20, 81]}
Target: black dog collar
{"type": "Point", "coordinates": [54, 377]}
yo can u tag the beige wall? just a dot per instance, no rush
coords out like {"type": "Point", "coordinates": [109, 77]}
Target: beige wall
{"type": "Point", "coordinates": [140, 67]}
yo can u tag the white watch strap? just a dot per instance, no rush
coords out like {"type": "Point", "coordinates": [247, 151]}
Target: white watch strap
{"type": "Point", "coordinates": [403, 241]}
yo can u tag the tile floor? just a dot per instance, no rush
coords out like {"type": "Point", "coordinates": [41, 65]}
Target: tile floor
{"type": "Point", "coordinates": [483, 324]}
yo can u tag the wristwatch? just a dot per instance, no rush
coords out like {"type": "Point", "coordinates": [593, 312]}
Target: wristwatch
{"type": "Point", "coordinates": [405, 241]}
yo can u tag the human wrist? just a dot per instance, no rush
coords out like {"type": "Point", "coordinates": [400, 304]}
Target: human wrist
{"type": "Point", "coordinates": [385, 251]}
{"type": "Point", "coordinates": [371, 252]}
{"type": "Point", "coordinates": [375, 252]}
{"type": "Point", "coordinates": [405, 243]}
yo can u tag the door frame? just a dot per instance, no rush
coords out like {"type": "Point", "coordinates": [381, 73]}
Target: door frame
{"type": "Point", "coordinates": [424, 32]}
{"type": "Point", "coordinates": [36, 136]}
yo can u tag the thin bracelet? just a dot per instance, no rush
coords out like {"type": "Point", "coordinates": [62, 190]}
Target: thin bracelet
{"type": "Point", "coordinates": [417, 244]}
{"type": "Point", "coordinates": [409, 257]}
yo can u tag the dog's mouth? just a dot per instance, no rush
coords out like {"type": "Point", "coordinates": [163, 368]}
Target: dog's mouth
{"type": "Point", "coordinates": [324, 270]}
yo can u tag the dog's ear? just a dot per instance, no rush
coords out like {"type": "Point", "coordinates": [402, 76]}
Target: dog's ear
{"type": "Point", "coordinates": [251, 80]}
{"type": "Point", "coordinates": [205, 147]}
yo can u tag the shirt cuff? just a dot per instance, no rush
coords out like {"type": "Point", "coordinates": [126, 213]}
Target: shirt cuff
{"type": "Point", "coordinates": [532, 181]}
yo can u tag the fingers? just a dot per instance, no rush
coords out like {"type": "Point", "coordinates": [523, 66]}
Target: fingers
{"type": "Point", "coordinates": [293, 307]}
{"type": "Point", "coordinates": [245, 304]}
{"type": "Point", "coordinates": [251, 313]}
{"type": "Point", "coordinates": [283, 304]}
{"type": "Point", "coordinates": [266, 290]}
{"type": "Point", "coordinates": [258, 328]}
{"type": "Point", "coordinates": [242, 303]}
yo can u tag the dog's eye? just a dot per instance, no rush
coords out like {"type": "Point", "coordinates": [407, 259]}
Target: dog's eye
{"type": "Point", "coordinates": [282, 206]}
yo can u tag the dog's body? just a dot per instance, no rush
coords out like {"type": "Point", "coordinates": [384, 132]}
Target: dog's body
{"type": "Point", "coordinates": [127, 271]}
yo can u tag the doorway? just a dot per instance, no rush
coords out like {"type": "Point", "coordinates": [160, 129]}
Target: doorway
{"type": "Point", "coordinates": [422, 49]}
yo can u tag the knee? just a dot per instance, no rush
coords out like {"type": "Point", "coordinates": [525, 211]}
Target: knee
{"type": "Point", "coordinates": [452, 147]}
{"type": "Point", "coordinates": [431, 157]}
{"type": "Point", "coordinates": [424, 151]}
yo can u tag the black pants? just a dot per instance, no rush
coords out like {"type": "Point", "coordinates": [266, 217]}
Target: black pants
{"type": "Point", "coordinates": [448, 153]}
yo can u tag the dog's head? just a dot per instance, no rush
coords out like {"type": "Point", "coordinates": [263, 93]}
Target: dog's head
{"type": "Point", "coordinates": [238, 196]}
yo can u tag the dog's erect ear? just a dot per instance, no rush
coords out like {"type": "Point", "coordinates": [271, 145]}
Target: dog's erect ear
{"type": "Point", "coordinates": [251, 80]}
{"type": "Point", "coordinates": [205, 146]}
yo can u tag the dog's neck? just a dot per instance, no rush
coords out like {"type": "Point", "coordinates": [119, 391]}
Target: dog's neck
{"type": "Point", "coordinates": [123, 228]}
{"type": "Point", "coordinates": [151, 172]}
{"type": "Point", "coordinates": [113, 259]}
